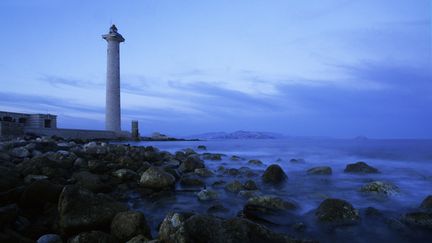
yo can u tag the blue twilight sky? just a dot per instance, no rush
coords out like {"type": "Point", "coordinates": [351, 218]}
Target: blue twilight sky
{"type": "Point", "coordinates": [315, 68]}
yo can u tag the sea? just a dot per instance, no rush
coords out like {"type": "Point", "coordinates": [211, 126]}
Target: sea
{"type": "Point", "coordinates": [406, 163]}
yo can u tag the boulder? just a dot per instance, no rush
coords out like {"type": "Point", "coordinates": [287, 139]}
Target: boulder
{"type": "Point", "coordinates": [20, 152]}
{"type": "Point", "coordinates": [93, 237]}
{"type": "Point", "coordinates": [380, 187]}
{"type": "Point", "coordinates": [98, 166]}
{"type": "Point", "coordinates": [232, 171]}
{"type": "Point", "coordinates": [127, 225]}
{"type": "Point", "coordinates": [337, 211]}
{"type": "Point", "coordinates": [202, 147]}
{"type": "Point", "coordinates": [191, 181]}
{"type": "Point", "coordinates": [418, 219]}
{"type": "Point", "coordinates": [125, 174]}
{"type": "Point", "coordinates": [322, 170]}
{"type": "Point", "coordinates": [156, 178]}
{"type": "Point", "coordinates": [38, 193]}
{"type": "Point", "coordinates": [234, 186]}
{"type": "Point", "coordinates": [236, 158]}
{"type": "Point", "coordinates": [207, 195]}
{"type": "Point", "coordinates": [184, 227]}
{"type": "Point", "coordinates": [140, 239]}
{"type": "Point", "coordinates": [81, 210]}
{"type": "Point", "coordinates": [191, 163]}
{"type": "Point", "coordinates": [8, 214]}
{"type": "Point", "coordinates": [50, 238]}
{"type": "Point", "coordinates": [92, 182]}
{"type": "Point", "coordinates": [9, 178]}
{"type": "Point", "coordinates": [204, 172]}
{"type": "Point", "coordinates": [297, 161]}
{"type": "Point", "coordinates": [33, 178]}
{"type": "Point", "coordinates": [360, 167]}
{"type": "Point", "coordinates": [210, 156]}
{"type": "Point", "coordinates": [255, 162]}
{"type": "Point", "coordinates": [274, 174]}
{"type": "Point", "coordinates": [271, 202]}
{"type": "Point", "coordinates": [250, 185]}
{"type": "Point", "coordinates": [427, 203]}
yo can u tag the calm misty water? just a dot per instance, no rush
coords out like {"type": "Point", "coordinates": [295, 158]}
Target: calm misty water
{"type": "Point", "coordinates": [406, 163]}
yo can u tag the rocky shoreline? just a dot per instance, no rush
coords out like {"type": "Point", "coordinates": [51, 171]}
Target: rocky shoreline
{"type": "Point", "coordinates": [55, 190]}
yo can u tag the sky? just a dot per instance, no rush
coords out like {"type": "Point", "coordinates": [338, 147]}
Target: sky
{"type": "Point", "coordinates": [333, 68]}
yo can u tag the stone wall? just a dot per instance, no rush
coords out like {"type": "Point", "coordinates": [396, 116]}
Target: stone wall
{"type": "Point", "coordinates": [79, 133]}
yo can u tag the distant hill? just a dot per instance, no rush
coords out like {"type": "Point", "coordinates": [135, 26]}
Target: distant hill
{"type": "Point", "coordinates": [238, 135]}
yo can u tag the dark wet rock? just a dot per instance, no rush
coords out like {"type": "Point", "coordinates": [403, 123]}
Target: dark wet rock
{"type": "Point", "coordinates": [234, 186]}
{"type": "Point", "coordinates": [380, 187]}
{"type": "Point", "coordinates": [80, 163]}
{"type": "Point", "coordinates": [271, 202]}
{"type": "Point", "coordinates": [427, 203]}
{"type": "Point", "coordinates": [274, 174]}
{"type": "Point", "coordinates": [250, 185]}
{"type": "Point", "coordinates": [418, 219]}
{"type": "Point", "coordinates": [372, 212]}
{"type": "Point", "coordinates": [140, 239]}
{"type": "Point", "coordinates": [125, 174]}
{"type": "Point", "coordinates": [173, 163]}
{"type": "Point", "coordinates": [232, 171]}
{"type": "Point", "coordinates": [81, 210]}
{"type": "Point", "coordinates": [397, 225]}
{"type": "Point", "coordinates": [205, 228]}
{"type": "Point", "coordinates": [8, 214]}
{"type": "Point", "coordinates": [33, 178]}
{"type": "Point", "coordinates": [92, 182]}
{"type": "Point", "coordinates": [255, 162]}
{"type": "Point", "coordinates": [180, 156]}
{"type": "Point", "coordinates": [202, 147]}
{"type": "Point", "coordinates": [37, 194]}
{"type": "Point", "coordinates": [126, 225]}
{"type": "Point", "coordinates": [20, 152]}
{"type": "Point", "coordinates": [191, 163]}
{"type": "Point", "coordinates": [207, 195]}
{"type": "Point", "coordinates": [93, 237]}
{"type": "Point", "coordinates": [360, 167]}
{"type": "Point", "coordinates": [156, 178]}
{"type": "Point", "coordinates": [337, 211]}
{"type": "Point", "coordinates": [9, 178]}
{"type": "Point", "coordinates": [204, 172]}
{"type": "Point", "coordinates": [211, 156]}
{"type": "Point", "coordinates": [98, 166]}
{"type": "Point", "coordinates": [93, 148]}
{"type": "Point", "coordinates": [216, 208]}
{"type": "Point", "coordinates": [189, 151]}
{"type": "Point", "coordinates": [297, 161]}
{"type": "Point", "coordinates": [50, 238]}
{"type": "Point", "coordinates": [191, 181]}
{"type": "Point", "coordinates": [219, 183]}
{"type": "Point", "coordinates": [300, 226]}
{"type": "Point", "coordinates": [249, 193]}
{"type": "Point", "coordinates": [172, 171]}
{"type": "Point", "coordinates": [322, 170]}
{"type": "Point", "coordinates": [236, 158]}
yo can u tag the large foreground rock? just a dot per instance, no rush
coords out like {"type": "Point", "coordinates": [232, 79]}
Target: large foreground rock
{"type": "Point", "coordinates": [191, 163]}
{"type": "Point", "coordinates": [81, 210]}
{"type": "Point", "coordinates": [427, 203]}
{"type": "Point", "coordinates": [274, 174]}
{"type": "Point", "coordinates": [418, 219]}
{"type": "Point", "coordinates": [127, 225]}
{"type": "Point", "coordinates": [337, 211]}
{"type": "Point", "coordinates": [192, 228]}
{"type": "Point", "coordinates": [156, 178]}
{"type": "Point", "coordinates": [360, 167]}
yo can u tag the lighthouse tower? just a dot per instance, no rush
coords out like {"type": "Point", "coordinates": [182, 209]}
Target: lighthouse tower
{"type": "Point", "coordinates": [112, 109]}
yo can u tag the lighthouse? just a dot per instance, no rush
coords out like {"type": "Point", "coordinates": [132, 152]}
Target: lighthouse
{"type": "Point", "coordinates": [112, 108]}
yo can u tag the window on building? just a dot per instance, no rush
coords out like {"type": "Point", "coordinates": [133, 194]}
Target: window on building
{"type": "Point", "coordinates": [47, 123]}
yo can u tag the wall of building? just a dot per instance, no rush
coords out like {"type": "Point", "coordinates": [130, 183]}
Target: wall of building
{"type": "Point", "coordinates": [78, 133]}
{"type": "Point", "coordinates": [11, 128]}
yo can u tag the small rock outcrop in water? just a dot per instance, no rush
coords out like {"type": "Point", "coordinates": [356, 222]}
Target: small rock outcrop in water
{"type": "Point", "coordinates": [127, 225]}
{"type": "Point", "coordinates": [155, 178]}
{"type": "Point", "coordinates": [271, 202]}
{"type": "Point", "coordinates": [191, 163]}
{"type": "Point", "coordinates": [186, 227]}
{"type": "Point", "coordinates": [274, 174]}
{"type": "Point", "coordinates": [380, 187]}
{"type": "Point", "coordinates": [207, 195]}
{"type": "Point", "coordinates": [427, 203]}
{"type": "Point", "coordinates": [337, 211]}
{"type": "Point", "coordinates": [322, 170]}
{"type": "Point", "coordinates": [202, 147]}
{"type": "Point", "coordinates": [418, 219]}
{"type": "Point", "coordinates": [255, 162]}
{"type": "Point", "coordinates": [360, 167]}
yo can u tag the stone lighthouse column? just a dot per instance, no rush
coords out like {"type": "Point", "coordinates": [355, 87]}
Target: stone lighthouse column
{"type": "Point", "coordinates": [112, 109]}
